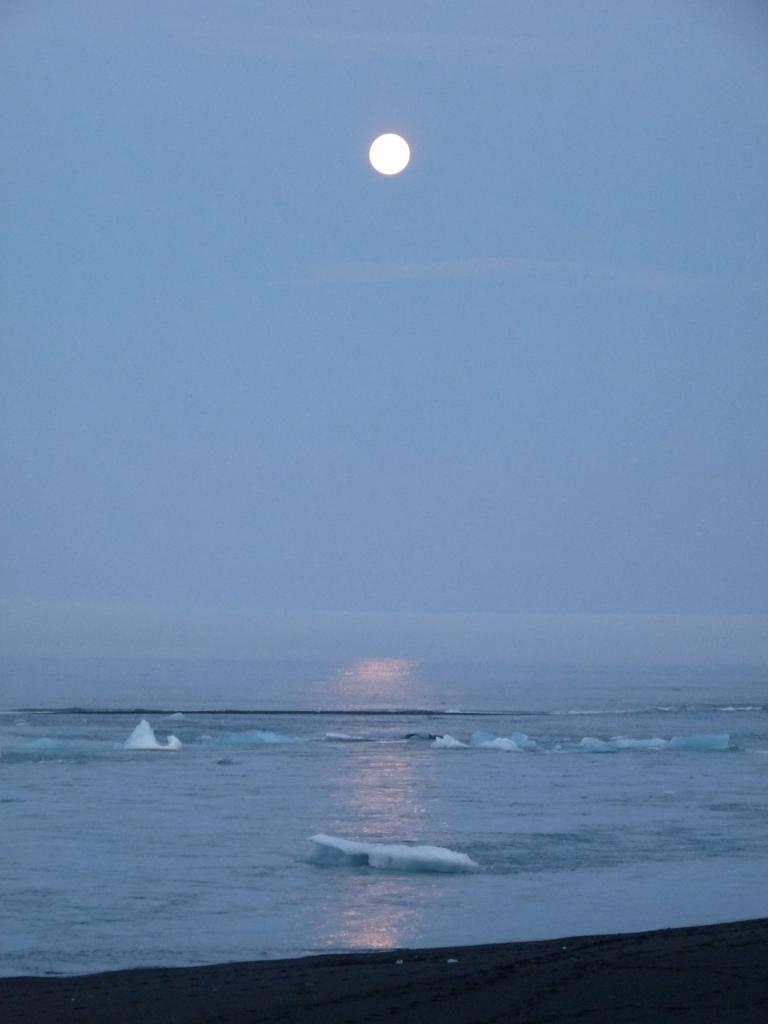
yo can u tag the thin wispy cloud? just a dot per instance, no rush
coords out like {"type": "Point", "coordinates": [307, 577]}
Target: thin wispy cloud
{"type": "Point", "coordinates": [300, 43]}
{"type": "Point", "coordinates": [347, 272]}
{"type": "Point", "coordinates": [220, 31]}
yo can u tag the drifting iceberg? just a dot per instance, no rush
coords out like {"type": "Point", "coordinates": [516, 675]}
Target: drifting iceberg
{"type": "Point", "coordinates": [498, 743]}
{"type": "Point", "coordinates": [700, 741]}
{"type": "Point", "coordinates": [447, 743]}
{"type": "Point", "coordinates": [629, 744]}
{"type": "Point", "coordinates": [46, 743]}
{"type": "Point", "coordinates": [595, 746]}
{"type": "Point", "coordinates": [143, 738]}
{"type": "Point", "coordinates": [331, 850]}
{"type": "Point", "coordinates": [248, 738]}
{"type": "Point", "coordinates": [489, 741]}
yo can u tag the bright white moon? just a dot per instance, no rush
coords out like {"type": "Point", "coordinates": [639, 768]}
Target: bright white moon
{"type": "Point", "coordinates": [389, 154]}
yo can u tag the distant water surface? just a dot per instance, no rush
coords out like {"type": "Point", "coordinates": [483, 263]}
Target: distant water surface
{"type": "Point", "coordinates": [115, 857]}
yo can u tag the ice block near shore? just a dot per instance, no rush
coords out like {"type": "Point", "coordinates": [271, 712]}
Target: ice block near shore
{"type": "Point", "coordinates": [332, 850]}
{"type": "Point", "coordinates": [143, 738]}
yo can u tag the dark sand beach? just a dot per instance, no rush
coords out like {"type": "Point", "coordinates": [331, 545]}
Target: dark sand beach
{"type": "Point", "coordinates": [713, 973]}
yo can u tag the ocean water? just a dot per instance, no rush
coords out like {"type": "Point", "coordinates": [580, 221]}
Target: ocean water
{"type": "Point", "coordinates": [585, 800]}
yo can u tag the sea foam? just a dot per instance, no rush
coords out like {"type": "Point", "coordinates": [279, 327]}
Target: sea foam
{"type": "Point", "coordinates": [143, 738]}
{"type": "Point", "coordinates": [331, 850]}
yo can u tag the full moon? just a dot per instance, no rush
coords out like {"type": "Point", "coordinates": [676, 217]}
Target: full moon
{"type": "Point", "coordinates": [389, 154]}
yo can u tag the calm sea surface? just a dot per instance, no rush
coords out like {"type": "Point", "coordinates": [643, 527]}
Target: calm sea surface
{"type": "Point", "coordinates": [115, 857]}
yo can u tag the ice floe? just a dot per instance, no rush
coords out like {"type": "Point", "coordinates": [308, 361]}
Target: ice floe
{"type": "Point", "coordinates": [46, 743]}
{"type": "Point", "coordinates": [701, 741]}
{"type": "Point", "coordinates": [482, 740]}
{"type": "Point", "coordinates": [498, 743]}
{"type": "Point", "coordinates": [249, 738]}
{"type": "Point", "coordinates": [143, 738]}
{"type": "Point", "coordinates": [334, 851]}
{"type": "Point", "coordinates": [448, 742]}
{"type": "Point", "coordinates": [626, 743]}
{"type": "Point", "coordinates": [488, 741]}
{"type": "Point", "coordinates": [595, 746]}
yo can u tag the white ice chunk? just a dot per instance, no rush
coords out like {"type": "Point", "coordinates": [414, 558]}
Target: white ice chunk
{"type": "Point", "coordinates": [523, 741]}
{"type": "Point", "coordinates": [249, 737]}
{"type": "Point", "coordinates": [488, 741]}
{"type": "Point", "coordinates": [143, 738]}
{"type": "Point", "coordinates": [500, 743]}
{"type": "Point", "coordinates": [46, 743]}
{"type": "Point", "coordinates": [701, 741]}
{"type": "Point", "coordinates": [622, 743]}
{"type": "Point", "coordinates": [331, 850]}
{"type": "Point", "coordinates": [447, 743]}
{"type": "Point", "coordinates": [595, 746]}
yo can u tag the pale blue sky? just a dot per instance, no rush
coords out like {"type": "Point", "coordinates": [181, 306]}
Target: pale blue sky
{"type": "Point", "coordinates": [241, 370]}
